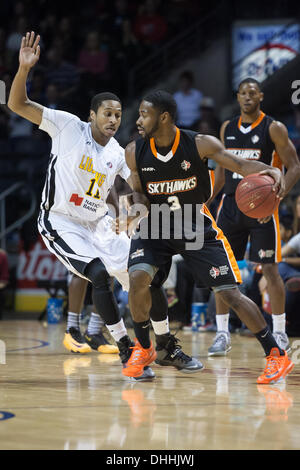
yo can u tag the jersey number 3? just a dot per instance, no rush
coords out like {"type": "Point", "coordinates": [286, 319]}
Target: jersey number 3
{"type": "Point", "coordinates": [175, 204]}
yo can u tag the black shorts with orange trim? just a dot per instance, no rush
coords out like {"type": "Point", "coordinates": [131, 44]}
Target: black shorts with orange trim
{"type": "Point", "coordinates": [212, 265]}
{"type": "Point", "coordinates": [265, 243]}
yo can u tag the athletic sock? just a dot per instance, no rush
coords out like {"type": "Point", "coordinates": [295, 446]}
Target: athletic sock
{"type": "Point", "coordinates": [161, 327]}
{"type": "Point", "coordinates": [95, 324]}
{"type": "Point", "coordinates": [73, 321]}
{"type": "Point", "coordinates": [117, 330]}
{"type": "Point", "coordinates": [267, 341]}
{"type": "Point", "coordinates": [223, 322]}
{"type": "Point", "coordinates": [142, 332]}
{"type": "Point", "coordinates": [279, 323]}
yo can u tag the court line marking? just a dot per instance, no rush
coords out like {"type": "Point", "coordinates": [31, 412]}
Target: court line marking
{"type": "Point", "coordinates": [42, 344]}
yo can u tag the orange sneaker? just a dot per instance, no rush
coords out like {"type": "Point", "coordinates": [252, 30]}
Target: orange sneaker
{"type": "Point", "coordinates": [277, 367]}
{"type": "Point", "coordinates": [139, 359]}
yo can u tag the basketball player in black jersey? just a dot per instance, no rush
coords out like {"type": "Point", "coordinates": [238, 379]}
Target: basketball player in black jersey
{"type": "Point", "coordinates": [253, 136]}
{"type": "Point", "coordinates": [169, 165]}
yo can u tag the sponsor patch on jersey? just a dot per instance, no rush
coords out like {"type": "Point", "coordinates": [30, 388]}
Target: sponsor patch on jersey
{"type": "Point", "coordinates": [76, 199]}
{"type": "Point", "coordinates": [148, 168]}
{"type": "Point", "coordinates": [231, 137]}
{"type": "Point", "coordinates": [248, 154]}
{"type": "Point", "coordinates": [266, 253]}
{"type": "Point", "coordinates": [109, 164]}
{"type": "Point", "coordinates": [172, 186]}
{"type": "Point", "coordinates": [137, 253]}
{"type": "Point", "coordinates": [185, 165]}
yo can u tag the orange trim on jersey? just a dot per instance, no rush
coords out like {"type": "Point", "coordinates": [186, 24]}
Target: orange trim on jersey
{"type": "Point", "coordinates": [278, 257]}
{"type": "Point", "coordinates": [255, 123]}
{"type": "Point", "coordinates": [276, 161]}
{"type": "Point", "coordinates": [220, 236]}
{"type": "Point", "coordinates": [220, 207]}
{"type": "Point", "coordinates": [174, 146]}
{"type": "Point", "coordinates": [212, 180]}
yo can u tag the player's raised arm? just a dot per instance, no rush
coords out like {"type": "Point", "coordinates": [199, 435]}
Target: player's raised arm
{"type": "Point", "coordinates": [210, 147]}
{"type": "Point", "coordinates": [18, 100]}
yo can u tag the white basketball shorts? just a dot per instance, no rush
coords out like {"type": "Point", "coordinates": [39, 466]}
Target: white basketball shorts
{"type": "Point", "coordinates": [77, 243]}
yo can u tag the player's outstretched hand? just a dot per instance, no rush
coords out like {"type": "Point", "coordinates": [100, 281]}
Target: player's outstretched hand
{"type": "Point", "coordinates": [279, 185]}
{"type": "Point", "coordinates": [29, 50]}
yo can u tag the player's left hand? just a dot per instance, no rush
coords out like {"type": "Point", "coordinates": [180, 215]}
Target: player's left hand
{"type": "Point", "coordinates": [279, 186]}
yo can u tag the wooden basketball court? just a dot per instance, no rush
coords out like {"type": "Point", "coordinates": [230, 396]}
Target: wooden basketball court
{"type": "Point", "coordinates": [52, 399]}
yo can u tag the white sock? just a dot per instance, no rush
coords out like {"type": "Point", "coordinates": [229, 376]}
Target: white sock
{"type": "Point", "coordinates": [95, 324]}
{"type": "Point", "coordinates": [222, 322]}
{"type": "Point", "coordinates": [279, 322]}
{"type": "Point", "coordinates": [118, 330]}
{"type": "Point", "coordinates": [161, 327]}
{"type": "Point", "coordinates": [73, 321]}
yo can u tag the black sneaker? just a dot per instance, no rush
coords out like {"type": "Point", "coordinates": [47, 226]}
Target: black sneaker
{"type": "Point", "coordinates": [99, 343]}
{"type": "Point", "coordinates": [74, 341]}
{"type": "Point", "coordinates": [169, 353]}
{"type": "Point", "coordinates": [124, 346]}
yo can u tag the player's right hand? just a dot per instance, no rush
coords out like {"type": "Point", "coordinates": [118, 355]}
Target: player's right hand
{"type": "Point", "coordinates": [30, 50]}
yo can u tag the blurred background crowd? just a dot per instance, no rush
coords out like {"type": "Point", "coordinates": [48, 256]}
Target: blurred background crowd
{"type": "Point", "coordinates": [104, 45]}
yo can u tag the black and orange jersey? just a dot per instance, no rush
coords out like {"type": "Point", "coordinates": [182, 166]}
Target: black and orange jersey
{"type": "Point", "coordinates": [249, 141]}
{"type": "Point", "coordinates": [177, 177]}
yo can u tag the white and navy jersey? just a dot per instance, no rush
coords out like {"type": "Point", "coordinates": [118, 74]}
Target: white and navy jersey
{"type": "Point", "coordinates": [81, 172]}
{"type": "Point", "coordinates": [252, 142]}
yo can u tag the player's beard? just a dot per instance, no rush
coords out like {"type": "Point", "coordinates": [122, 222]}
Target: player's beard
{"type": "Point", "coordinates": [150, 134]}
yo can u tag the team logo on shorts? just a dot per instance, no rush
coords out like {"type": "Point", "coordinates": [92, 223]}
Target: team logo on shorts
{"type": "Point", "coordinates": [76, 199]}
{"type": "Point", "coordinates": [214, 272]}
{"type": "Point", "coordinates": [266, 253]}
{"type": "Point", "coordinates": [185, 165]}
{"type": "Point", "coordinates": [138, 252]}
{"type": "Point", "coordinates": [220, 271]}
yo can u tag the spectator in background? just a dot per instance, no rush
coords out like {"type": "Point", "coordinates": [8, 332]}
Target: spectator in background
{"type": "Point", "coordinates": [62, 73]}
{"type": "Point", "coordinates": [150, 27]}
{"type": "Point", "coordinates": [36, 86]}
{"type": "Point", "coordinates": [52, 97]}
{"type": "Point", "coordinates": [296, 224]}
{"type": "Point", "coordinates": [188, 101]}
{"type": "Point", "coordinates": [209, 122]}
{"type": "Point", "coordinates": [4, 279]}
{"type": "Point", "coordinates": [289, 269]}
{"type": "Point", "coordinates": [93, 63]}
{"type": "Point", "coordinates": [14, 39]}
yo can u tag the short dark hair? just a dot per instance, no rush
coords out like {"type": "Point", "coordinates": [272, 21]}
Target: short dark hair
{"type": "Point", "coordinates": [98, 99]}
{"type": "Point", "coordinates": [187, 75]}
{"type": "Point", "coordinates": [163, 101]}
{"type": "Point", "coordinates": [249, 80]}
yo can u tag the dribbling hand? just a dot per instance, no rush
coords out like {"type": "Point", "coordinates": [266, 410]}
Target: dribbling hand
{"type": "Point", "coordinates": [29, 50]}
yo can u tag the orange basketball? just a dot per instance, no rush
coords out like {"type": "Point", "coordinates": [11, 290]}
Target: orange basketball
{"type": "Point", "coordinates": [255, 197]}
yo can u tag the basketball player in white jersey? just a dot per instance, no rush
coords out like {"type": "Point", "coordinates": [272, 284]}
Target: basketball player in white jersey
{"type": "Point", "coordinates": [73, 221]}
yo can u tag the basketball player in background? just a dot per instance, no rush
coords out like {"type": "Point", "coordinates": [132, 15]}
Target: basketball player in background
{"type": "Point", "coordinates": [169, 166]}
{"type": "Point", "coordinates": [73, 222]}
{"type": "Point", "coordinates": [257, 137]}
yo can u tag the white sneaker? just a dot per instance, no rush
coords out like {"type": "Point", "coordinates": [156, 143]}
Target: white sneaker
{"type": "Point", "coordinates": [221, 345]}
{"type": "Point", "coordinates": [282, 340]}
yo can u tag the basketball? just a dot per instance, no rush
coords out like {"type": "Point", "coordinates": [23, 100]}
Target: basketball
{"type": "Point", "coordinates": [254, 196]}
